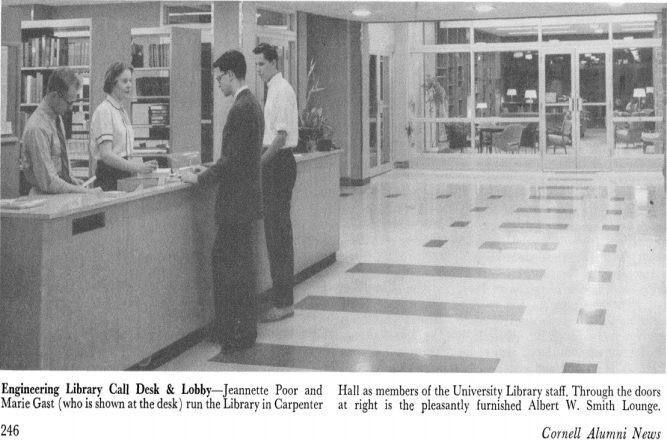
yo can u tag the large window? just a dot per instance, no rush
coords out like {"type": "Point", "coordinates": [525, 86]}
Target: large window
{"type": "Point", "coordinates": [485, 77]}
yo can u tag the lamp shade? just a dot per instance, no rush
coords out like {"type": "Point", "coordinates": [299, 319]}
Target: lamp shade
{"type": "Point", "coordinates": [649, 89]}
{"type": "Point", "coordinates": [531, 93]}
{"type": "Point", "coordinates": [481, 105]}
{"type": "Point", "coordinates": [511, 92]}
{"type": "Point", "coordinates": [639, 93]}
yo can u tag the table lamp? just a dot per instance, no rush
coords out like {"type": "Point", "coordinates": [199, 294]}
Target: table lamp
{"type": "Point", "coordinates": [530, 95]}
{"type": "Point", "coordinates": [482, 106]}
{"type": "Point", "coordinates": [639, 93]}
{"type": "Point", "coordinates": [511, 93]}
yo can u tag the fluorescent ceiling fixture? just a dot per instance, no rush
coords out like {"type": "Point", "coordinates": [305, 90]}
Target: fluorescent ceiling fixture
{"type": "Point", "coordinates": [628, 38]}
{"type": "Point", "coordinates": [637, 29]}
{"type": "Point", "coordinates": [559, 32]}
{"type": "Point", "coordinates": [623, 25]}
{"type": "Point", "coordinates": [361, 12]}
{"type": "Point", "coordinates": [616, 4]}
{"type": "Point", "coordinates": [518, 54]}
{"type": "Point", "coordinates": [556, 27]}
{"type": "Point", "coordinates": [529, 56]}
{"type": "Point", "coordinates": [523, 33]}
{"type": "Point", "coordinates": [599, 31]}
{"type": "Point", "coordinates": [517, 28]}
{"type": "Point", "coordinates": [484, 8]}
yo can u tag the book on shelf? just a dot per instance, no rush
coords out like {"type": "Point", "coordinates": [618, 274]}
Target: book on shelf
{"type": "Point", "coordinates": [45, 52]}
{"type": "Point", "coordinates": [137, 55]}
{"type": "Point", "coordinates": [152, 86]}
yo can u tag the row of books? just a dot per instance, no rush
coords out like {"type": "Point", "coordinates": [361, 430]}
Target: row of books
{"type": "Point", "coordinates": [78, 146]}
{"type": "Point", "coordinates": [158, 56]}
{"type": "Point", "coordinates": [152, 86]}
{"type": "Point", "coordinates": [32, 87]}
{"type": "Point", "coordinates": [150, 114]}
{"type": "Point", "coordinates": [47, 51]}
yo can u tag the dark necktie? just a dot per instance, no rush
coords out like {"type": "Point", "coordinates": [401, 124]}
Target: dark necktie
{"type": "Point", "coordinates": [64, 158]}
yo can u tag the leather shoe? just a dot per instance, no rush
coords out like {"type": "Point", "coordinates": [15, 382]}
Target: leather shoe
{"type": "Point", "coordinates": [277, 314]}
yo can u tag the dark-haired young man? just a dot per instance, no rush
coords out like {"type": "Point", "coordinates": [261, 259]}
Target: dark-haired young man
{"type": "Point", "coordinates": [238, 208]}
{"type": "Point", "coordinates": [281, 135]}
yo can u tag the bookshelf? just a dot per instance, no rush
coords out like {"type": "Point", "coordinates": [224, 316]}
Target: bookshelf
{"type": "Point", "coordinates": [84, 45]}
{"type": "Point", "coordinates": [46, 45]}
{"type": "Point", "coordinates": [166, 98]}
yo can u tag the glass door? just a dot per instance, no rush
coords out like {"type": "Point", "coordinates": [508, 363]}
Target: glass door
{"type": "Point", "coordinates": [558, 110]}
{"type": "Point", "coordinates": [593, 147]}
{"type": "Point", "coordinates": [575, 127]}
{"type": "Point", "coordinates": [379, 117]}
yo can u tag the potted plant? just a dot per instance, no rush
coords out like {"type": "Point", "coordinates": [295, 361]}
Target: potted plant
{"type": "Point", "coordinates": [436, 98]}
{"type": "Point", "coordinates": [314, 133]}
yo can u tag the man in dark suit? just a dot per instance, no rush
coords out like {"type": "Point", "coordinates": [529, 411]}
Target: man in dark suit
{"type": "Point", "coordinates": [238, 208]}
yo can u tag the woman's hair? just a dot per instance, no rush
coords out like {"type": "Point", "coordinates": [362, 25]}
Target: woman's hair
{"type": "Point", "coordinates": [114, 71]}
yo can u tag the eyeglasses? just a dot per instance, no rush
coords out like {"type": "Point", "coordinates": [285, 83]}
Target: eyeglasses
{"type": "Point", "coordinates": [219, 77]}
{"type": "Point", "coordinates": [69, 103]}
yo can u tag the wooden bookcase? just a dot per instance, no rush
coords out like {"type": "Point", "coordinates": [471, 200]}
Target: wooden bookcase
{"type": "Point", "coordinates": [84, 45]}
{"type": "Point", "coordinates": [166, 99]}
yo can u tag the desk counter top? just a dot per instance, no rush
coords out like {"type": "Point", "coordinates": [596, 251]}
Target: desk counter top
{"type": "Point", "coordinates": [63, 205]}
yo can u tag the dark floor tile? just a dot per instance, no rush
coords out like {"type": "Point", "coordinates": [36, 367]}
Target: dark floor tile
{"type": "Point", "coordinates": [479, 209]}
{"type": "Point", "coordinates": [611, 227]}
{"type": "Point", "coordinates": [459, 224]}
{"type": "Point", "coordinates": [495, 197]}
{"type": "Point", "coordinates": [563, 187]}
{"type": "Point", "coordinates": [580, 368]}
{"type": "Point", "coordinates": [614, 212]}
{"type": "Point", "coordinates": [435, 243]}
{"type": "Point", "coordinates": [600, 276]}
{"type": "Point", "coordinates": [545, 210]}
{"type": "Point", "coordinates": [345, 194]}
{"type": "Point", "coordinates": [444, 196]}
{"type": "Point", "coordinates": [592, 317]}
{"type": "Point", "coordinates": [609, 248]}
{"type": "Point", "coordinates": [412, 308]}
{"type": "Point", "coordinates": [348, 360]}
{"type": "Point", "coordinates": [447, 271]}
{"type": "Point", "coordinates": [393, 195]}
{"type": "Point", "coordinates": [556, 197]}
{"type": "Point", "coordinates": [521, 246]}
{"type": "Point", "coordinates": [618, 199]}
{"type": "Point", "coordinates": [511, 225]}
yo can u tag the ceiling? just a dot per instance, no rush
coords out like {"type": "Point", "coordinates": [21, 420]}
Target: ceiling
{"type": "Point", "coordinates": [437, 10]}
{"type": "Point", "coordinates": [395, 11]}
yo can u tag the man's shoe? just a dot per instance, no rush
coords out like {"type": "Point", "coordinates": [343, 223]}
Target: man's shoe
{"type": "Point", "coordinates": [277, 314]}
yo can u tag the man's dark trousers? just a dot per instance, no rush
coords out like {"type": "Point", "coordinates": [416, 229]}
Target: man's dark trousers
{"type": "Point", "coordinates": [278, 178]}
{"type": "Point", "coordinates": [234, 283]}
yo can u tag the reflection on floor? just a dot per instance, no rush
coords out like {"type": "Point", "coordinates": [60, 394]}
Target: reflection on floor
{"type": "Point", "coordinates": [559, 272]}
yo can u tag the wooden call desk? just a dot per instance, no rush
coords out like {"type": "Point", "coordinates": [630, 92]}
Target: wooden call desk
{"type": "Point", "coordinates": [93, 282]}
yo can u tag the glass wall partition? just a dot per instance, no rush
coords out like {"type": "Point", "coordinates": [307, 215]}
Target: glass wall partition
{"type": "Point", "coordinates": [506, 102]}
{"type": "Point", "coordinates": [636, 125]}
{"type": "Point", "coordinates": [440, 102]}
{"type": "Point", "coordinates": [580, 92]}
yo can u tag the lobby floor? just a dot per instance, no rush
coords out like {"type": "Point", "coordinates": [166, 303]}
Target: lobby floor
{"type": "Point", "coordinates": [479, 272]}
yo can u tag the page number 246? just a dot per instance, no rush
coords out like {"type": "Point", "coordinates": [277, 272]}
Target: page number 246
{"type": "Point", "coordinates": [9, 430]}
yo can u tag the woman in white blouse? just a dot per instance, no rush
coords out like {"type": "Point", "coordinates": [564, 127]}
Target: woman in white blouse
{"type": "Point", "coordinates": [111, 134]}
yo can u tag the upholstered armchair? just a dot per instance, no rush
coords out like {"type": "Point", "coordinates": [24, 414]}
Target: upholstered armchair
{"type": "Point", "coordinates": [509, 140]}
{"type": "Point", "coordinates": [631, 135]}
{"type": "Point", "coordinates": [560, 138]}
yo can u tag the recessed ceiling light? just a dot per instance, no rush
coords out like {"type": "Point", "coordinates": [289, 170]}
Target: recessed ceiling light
{"type": "Point", "coordinates": [616, 4]}
{"type": "Point", "coordinates": [362, 12]}
{"type": "Point", "coordinates": [484, 8]}
{"type": "Point", "coordinates": [599, 31]}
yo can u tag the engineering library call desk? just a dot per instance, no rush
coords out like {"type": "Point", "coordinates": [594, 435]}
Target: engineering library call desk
{"type": "Point", "coordinates": [100, 282]}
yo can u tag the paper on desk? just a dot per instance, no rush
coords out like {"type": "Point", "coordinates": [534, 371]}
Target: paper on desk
{"type": "Point", "coordinates": [21, 203]}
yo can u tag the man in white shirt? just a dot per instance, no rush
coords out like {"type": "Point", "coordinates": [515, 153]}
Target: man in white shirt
{"type": "Point", "coordinates": [281, 135]}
